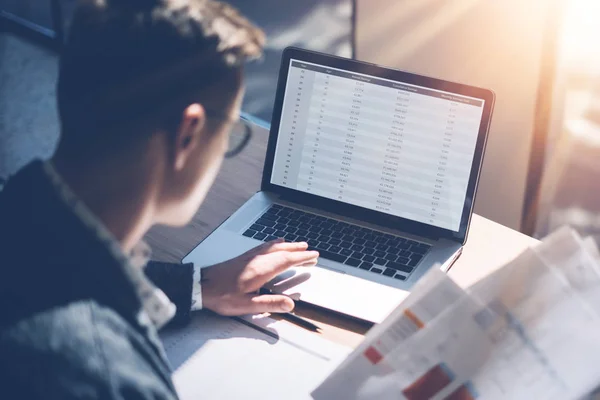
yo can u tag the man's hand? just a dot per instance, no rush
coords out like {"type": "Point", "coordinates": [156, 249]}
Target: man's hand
{"type": "Point", "coordinates": [230, 288]}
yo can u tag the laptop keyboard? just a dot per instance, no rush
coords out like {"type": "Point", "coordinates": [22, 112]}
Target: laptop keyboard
{"type": "Point", "coordinates": [352, 245]}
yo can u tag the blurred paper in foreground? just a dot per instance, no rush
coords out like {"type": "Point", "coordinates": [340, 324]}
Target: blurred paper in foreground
{"type": "Point", "coordinates": [530, 330]}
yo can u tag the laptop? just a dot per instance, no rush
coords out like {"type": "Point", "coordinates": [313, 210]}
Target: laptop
{"type": "Point", "coordinates": [375, 168]}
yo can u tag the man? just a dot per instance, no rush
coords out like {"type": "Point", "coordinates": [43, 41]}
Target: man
{"type": "Point", "coordinates": [148, 92]}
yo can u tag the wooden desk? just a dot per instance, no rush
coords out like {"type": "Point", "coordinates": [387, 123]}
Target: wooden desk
{"type": "Point", "coordinates": [489, 246]}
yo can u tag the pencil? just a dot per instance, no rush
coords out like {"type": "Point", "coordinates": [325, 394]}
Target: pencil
{"type": "Point", "coordinates": [293, 318]}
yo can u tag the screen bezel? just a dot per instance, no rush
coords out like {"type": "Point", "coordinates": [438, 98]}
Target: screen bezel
{"type": "Point", "coordinates": [357, 212]}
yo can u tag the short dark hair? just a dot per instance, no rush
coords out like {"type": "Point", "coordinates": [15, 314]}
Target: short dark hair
{"type": "Point", "coordinates": [138, 57]}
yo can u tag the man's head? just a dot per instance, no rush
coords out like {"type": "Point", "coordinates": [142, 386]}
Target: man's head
{"type": "Point", "coordinates": [155, 85]}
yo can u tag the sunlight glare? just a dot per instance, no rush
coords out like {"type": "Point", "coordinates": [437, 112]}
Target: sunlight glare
{"type": "Point", "coordinates": [581, 32]}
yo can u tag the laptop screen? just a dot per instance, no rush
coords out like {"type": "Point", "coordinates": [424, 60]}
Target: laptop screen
{"type": "Point", "coordinates": [384, 145]}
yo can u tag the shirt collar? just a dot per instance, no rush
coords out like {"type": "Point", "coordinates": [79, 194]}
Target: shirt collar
{"type": "Point", "coordinates": [156, 305]}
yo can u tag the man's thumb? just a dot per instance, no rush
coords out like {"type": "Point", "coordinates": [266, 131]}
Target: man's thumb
{"type": "Point", "coordinates": [272, 303]}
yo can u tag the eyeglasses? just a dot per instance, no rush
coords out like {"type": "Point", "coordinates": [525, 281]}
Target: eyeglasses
{"type": "Point", "coordinates": [239, 134]}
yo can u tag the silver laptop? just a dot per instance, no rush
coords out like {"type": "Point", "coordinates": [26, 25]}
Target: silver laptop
{"type": "Point", "coordinates": [375, 168]}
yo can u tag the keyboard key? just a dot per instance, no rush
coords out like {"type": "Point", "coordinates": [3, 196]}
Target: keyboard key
{"type": "Point", "coordinates": [417, 257]}
{"type": "Point", "coordinates": [345, 245]}
{"type": "Point", "coordinates": [279, 226]}
{"type": "Point", "coordinates": [270, 238]}
{"type": "Point", "coordinates": [335, 249]}
{"type": "Point", "coordinates": [334, 242]}
{"type": "Point", "coordinates": [370, 243]}
{"type": "Point", "coordinates": [357, 254]}
{"type": "Point", "coordinates": [357, 247]}
{"type": "Point", "coordinates": [379, 253]}
{"type": "Point", "coordinates": [271, 211]}
{"type": "Point", "coordinates": [257, 227]}
{"type": "Point", "coordinates": [290, 237]}
{"type": "Point", "coordinates": [304, 219]}
{"type": "Point", "coordinates": [284, 214]}
{"type": "Point", "coordinates": [365, 265]}
{"type": "Point", "coordinates": [324, 246]}
{"type": "Point", "coordinates": [313, 242]}
{"type": "Point", "coordinates": [369, 237]}
{"type": "Point", "coordinates": [368, 250]}
{"type": "Point", "coordinates": [277, 207]}
{"type": "Point", "coordinates": [404, 253]}
{"type": "Point", "coordinates": [348, 238]}
{"type": "Point", "coordinates": [382, 247]}
{"type": "Point", "coordinates": [353, 262]}
{"type": "Point", "coordinates": [368, 258]}
{"type": "Point", "coordinates": [415, 260]}
{"type": "Point", "coordinates": [411, 242]}
{"type": "Point", "coordinates": [403, 246]}
{"type": "Point", "coordinates": [326, 232]}
{"type": "Point", "coordinates": [346, 252]}
{"type": "Point", "coordinates": [337, 235]}
{"type": "Point", "coordinates": [296, 214]}
{"type": "Point", "coordinates": [359, 241]}
{"type": "Point", "coordinates": [418, 249]}
{"type": "Point", "coordinates": [358, 234]}
{"type": "Point", "coordinates": [326, 225]}
{"type": "Point", "coordinates": [381, 240]}
{"type": "Point", "coordinates": [312, 235]}
{"type": "Point", "coordinates": [290, 229]}
{"type": "Point", "coordinates": [315, 228]}
{"type": "Point", "coordinates": [323, 238]}
{"type": "Point", "coordinates": [266, 222]}
{"type": "Point", "coordinates": [389, 272]}
{"type": "Point", "coordinates": [250, 233]}
{"type": "Point", "coordinates": [393, 243]}
{"type": "Point", "coordinates": [376, 270]}
{"type": "Point", "coordinates": [260, 236]}
{"type": "Point", "coordinates": [280, 234]}
{"type": "Point", "coordinates": [403, 260]}
{"type": "Point", "coordinates": [305, 226]}
{"type": "Point", "coordinates": [394, 250]}
{"type": "Point", "coordinates": [399, 267]}
{"type": "Point", "coordinates": [301, 238]}
{"type": "Point", "coordinates": [331, 256]}
{"type": "Point", "coordinates": [270, 217]}
{"type": "Point", "coordinates": [302, 232]}
{"type": "Point", "coordinates": [381, 261]}
{"type": "Point", "coordinates": [390, 257]}
{"type": "Point", "coordinates": [284, 220]}
{"type": "Point", "coordinates": [337, 228]}
{"type": "Point", "coordinates": [401, 277]}
{"type": "Point", "coordinates": [269, 231]}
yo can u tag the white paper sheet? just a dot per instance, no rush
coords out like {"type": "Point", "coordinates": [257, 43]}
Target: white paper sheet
{"type": "Point", "coordinates": [222, 358]}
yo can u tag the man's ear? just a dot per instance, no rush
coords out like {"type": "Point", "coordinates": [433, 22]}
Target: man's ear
{"type": "Point", "coordinates": [188, 134]}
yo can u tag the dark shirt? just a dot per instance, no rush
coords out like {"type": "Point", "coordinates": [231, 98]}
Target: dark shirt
{"type": "Point", "coordinates": [72, 324]}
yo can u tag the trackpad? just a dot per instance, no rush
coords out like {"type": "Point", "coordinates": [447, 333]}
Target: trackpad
{"type": "Point", "coordinates": [339, 292]}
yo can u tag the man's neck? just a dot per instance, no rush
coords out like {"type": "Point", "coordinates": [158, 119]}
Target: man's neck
{"type": "Point", "coordinates": [119, 196]}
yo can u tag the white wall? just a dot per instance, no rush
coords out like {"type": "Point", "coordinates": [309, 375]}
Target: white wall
{"type": "Point", "coordinates": [489, 43]}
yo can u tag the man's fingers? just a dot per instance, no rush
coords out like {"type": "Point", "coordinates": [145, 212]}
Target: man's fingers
{"type": "Point", "coordinates": [270, 265]}
{"type": "Point", "coordinates": [310, 263]}
{"type": "Point", "coordinates": [278, 245]}
{"type": "Point", "coordinates": [269, 303]}
{"type": "Point", "coordinates": [262, 247]}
